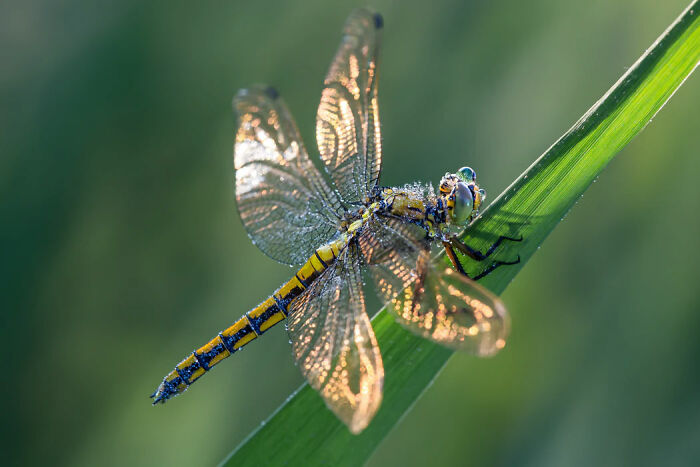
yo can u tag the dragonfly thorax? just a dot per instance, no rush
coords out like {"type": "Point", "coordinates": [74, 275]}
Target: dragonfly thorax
{"type": "Point", "coordinates": [416, 204]}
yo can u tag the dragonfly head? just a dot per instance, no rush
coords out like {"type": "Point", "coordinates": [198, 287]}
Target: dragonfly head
{"type": "Point", "coordinates": [461, 195]}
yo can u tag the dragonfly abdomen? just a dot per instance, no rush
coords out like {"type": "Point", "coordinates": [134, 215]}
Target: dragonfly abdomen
{"type": "Point", "coordinates": [251, 325]}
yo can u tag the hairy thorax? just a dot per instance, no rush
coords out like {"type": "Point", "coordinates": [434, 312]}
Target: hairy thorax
{"type": "Point", "coordinates": [416, 204]}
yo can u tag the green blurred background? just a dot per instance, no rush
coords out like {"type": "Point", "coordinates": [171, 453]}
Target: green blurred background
{"type": "Point", "coordinates": [123, 251]}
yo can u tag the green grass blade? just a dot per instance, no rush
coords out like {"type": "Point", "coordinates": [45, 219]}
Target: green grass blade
{"type": "Point", "coordinates": [303, 430]}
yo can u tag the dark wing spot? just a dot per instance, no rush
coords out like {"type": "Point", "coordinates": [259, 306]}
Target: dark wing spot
{"type": "Point", "coordinates": [378, 21]}
{"type": "Point", "coordinates": [272, 93]}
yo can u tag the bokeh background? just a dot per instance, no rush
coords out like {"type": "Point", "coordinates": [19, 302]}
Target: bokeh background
{"type": "Point", "coordinates": [122, 249]}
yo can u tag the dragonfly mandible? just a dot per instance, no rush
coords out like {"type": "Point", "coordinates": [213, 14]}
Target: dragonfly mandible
{"type": "Point", "coordinates": [333, 227]}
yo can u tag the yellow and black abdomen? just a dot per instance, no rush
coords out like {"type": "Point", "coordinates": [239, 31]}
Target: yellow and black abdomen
{"type": "Point", "coordinates": [248, 327]}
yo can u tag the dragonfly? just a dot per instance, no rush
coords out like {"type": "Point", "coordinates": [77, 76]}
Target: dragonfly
{"type": "Point", "coordinates": [336, 226]}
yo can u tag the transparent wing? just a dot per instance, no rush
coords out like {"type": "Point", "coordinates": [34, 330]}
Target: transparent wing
{"type": "Point", "coordinates": [431, 300]}
{"type": "Point", "coordinates": [284, 202]}
{"type": "Point", "coordinates": [347, 122]}
{"type": "Point", "coordinates": [334, 345]}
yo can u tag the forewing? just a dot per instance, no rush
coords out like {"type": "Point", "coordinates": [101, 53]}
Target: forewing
{"type": "Point", "coordinates": [347, 123]}
{"type": "Point", "coordinates": [431, 300]}
{"type": "Point", "coordinates": [284, 202]}
{"type": "Point", "coordinates": [334, 345]}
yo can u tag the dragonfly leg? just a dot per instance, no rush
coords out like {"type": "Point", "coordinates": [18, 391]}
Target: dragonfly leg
{"type": "Point", "coordinates": [476, 255]}
{"type": "Point", "coordinates": [493, 266]}
{"type": "Point", "coordinates": [453, 258]}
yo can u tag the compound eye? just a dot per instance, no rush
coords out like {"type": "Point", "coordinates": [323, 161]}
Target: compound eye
{"type": "Point", "coordinates": [464, 204]}
{"type": "Point", "coordinates": [467, 174]}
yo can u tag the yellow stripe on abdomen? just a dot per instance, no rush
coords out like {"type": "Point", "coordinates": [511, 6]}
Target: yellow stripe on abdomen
{"type": "Point", "coordinates": [248, 327]}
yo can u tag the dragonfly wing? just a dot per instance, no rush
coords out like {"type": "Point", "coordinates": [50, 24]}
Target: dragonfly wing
{"type": "Point", "coordinates": [334, 344]}
{"type": "Point", "coordinates": [347, 122]}
{"type": "Point", "coordinates": [452, 310]}
{"type": "Point", "coordinates": [432, 300]}
{"type": "Point", "coordinates": [284, 202]}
